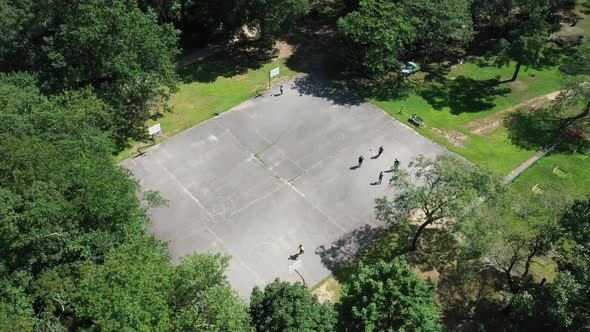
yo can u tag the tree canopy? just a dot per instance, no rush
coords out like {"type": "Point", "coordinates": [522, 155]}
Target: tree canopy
{"type": "Point", "coordinates": [441, 27]}
{"type": "Point", "coordinates": [527, 35]}
{"type": "Point", "coordinates": [387, 296]}
{"type": "Point", "coordinates": [563, 304]}
{"type": "Point", "coordinates": [282, 306]}
{"type": "Point", "coordinates": [378, 34]}
{"type": "Point", "coordinates": [435, 190]}
{"type": "Point", "coordinates": [111, 47]}
{"type": "Point", "coordinates": [76, 254]}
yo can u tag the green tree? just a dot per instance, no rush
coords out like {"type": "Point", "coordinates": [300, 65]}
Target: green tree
{"type": "Point", "coordinates": [387, 296]}
{"type": "Point", "coordinates": [283, 306]}
{"type": "Point", "coordinates": [129, 292]}
{"type": "Point", "coordinates": [443, 190]}
{"type": "Point", "coordinates": [563, 304]}
{"type": "Point", "coordinates": [579, 62]}
{"type": "Point", "coordinates": [273, 17]}
{"type": "Point", "coordinates": [376, 35]}
{"type": "Point", "coordinates": [201, 20]}
{"type": "Point", "coordinates": [202, 299]}
{"type": "Point", "coordinates": [520, 230]}
{"type": "Point", "coordinates": [440, 26]}
{"type": "Point", "coordinates": [527, 36]}
{"type": "Point", "coordinates": [491, 15]}
{"type": "Point", "coordinates": [65, 200]}
{"type": "Point", "coordinates": [113, 47]}
{"type": "Point", "coordinates": [576, 95]}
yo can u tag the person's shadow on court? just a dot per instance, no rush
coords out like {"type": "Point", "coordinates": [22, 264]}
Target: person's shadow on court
{"type": "Point", "coordinates": [354, 167]}
{"type": "Point", "coordinates": [293, 257]}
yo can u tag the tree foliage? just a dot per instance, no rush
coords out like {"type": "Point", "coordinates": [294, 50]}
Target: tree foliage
{"type": "Point", "coordinates": [202, 299]}
{"type": "Point", "coordinates": [431, 191]}
{"type": "Point", "coordinates": [563, 304]}
{"type": "Point", "coordinates": [527, 36]}
{"type": "Point", "coordinates": [111, 47]}
{"type": "Point", "coordinates": [440, 26]}
{"type": "Point", "coordinates": [283, 306]}
{"type": "Point", "coordinates": [75, 251]}
{"type": "Point", "coordinates": [520, 232]}
{"type": "Point", "coordinates": [377, 35]}
{"type": "Point", "coordinates": [387, 296]}
{"type": "Point", "coordinates": [272, 17]}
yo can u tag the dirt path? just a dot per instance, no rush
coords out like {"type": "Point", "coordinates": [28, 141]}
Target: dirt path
{"type": "Point", "coordinates": [491, 123]}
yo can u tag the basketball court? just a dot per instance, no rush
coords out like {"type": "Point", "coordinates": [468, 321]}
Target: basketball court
{"type": "Point", "coordinates": [273, 173]}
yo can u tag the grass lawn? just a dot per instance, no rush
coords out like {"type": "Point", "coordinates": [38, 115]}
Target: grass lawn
{"type": "Point", "coordinates": [457, 104]}
{"type": "Point", "coordinates": [572, 178]}
{"type": "Point", "coordinates": [208, 86]}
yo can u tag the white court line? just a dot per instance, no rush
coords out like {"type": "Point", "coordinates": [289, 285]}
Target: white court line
{"type": "Point", "coordinates": [274, 145]}
{"type": "Point", "coordinates": [238, 258]}
{"type": "Point", "coordinates": [295, 189]}
{"type": "Point", "coordinates": [297, 263]}
{"type": "Point", "coordinates": [254, 201]}
{"type": "Point", "coordinates": [237, 141]}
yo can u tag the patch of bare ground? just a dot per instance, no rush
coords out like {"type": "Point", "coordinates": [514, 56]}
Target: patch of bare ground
{"type": "Point", "coordinates": [519, 85]}
{"type": "Point", "coordinates": [490, 123]}
{"type": "Point", "coordinates": [328, 291]}
{"type": "Point", "coordinates": [431, 275]}
{"type": "Point", "coordinates": [455, 137]}
{"type": "Point", "coordinates": [285, 50]}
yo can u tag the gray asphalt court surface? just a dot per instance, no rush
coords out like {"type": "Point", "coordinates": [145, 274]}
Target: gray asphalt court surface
{"type": "Point", "coordinates": [273, 173]}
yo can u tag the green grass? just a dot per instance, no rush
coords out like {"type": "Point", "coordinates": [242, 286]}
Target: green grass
{"type": "Point", "coordinates": [575, 185]}
{"type": "Point", "coordinates": [466, 93]}
{"type": "Point", "coordinates": [449, 98]}
{"type": "Point", "coordinates": [209, 86]}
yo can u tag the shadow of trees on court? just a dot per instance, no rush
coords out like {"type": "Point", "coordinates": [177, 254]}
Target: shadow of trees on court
{"type": "Point", "coordinates": [334, 91]}
{"type": "Point", "coordinates": [334, 255]}
{"type": "Point", "coordinates": [315, 48]}
{"type": "Point", "coordinates": [463, 94]}
{"type": "Point", "coordinates": [230, 61]}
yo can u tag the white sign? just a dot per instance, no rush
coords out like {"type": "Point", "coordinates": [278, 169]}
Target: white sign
{"type": "Point", "coordinates": [274, 72]}
{"type": "Point", "coordinates": [155, 129]}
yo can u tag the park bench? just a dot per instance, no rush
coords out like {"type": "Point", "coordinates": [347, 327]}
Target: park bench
{"type": "Point", "coordinates": [416, 120]}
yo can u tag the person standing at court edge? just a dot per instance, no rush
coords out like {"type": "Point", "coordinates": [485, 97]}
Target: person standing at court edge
{"type": "Point", "coordinates": [301, 249]}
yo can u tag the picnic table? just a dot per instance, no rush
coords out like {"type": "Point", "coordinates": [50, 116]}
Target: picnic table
{"type": "Point", "coordinates": [416, 120]}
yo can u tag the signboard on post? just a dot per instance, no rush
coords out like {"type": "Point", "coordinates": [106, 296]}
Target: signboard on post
{"type": "Point", "coordinates": [273, 73]}
{"type": "Point", "coordinates": [155, 129]}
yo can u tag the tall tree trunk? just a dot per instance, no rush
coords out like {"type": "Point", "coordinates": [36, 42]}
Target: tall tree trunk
{"type": "Point", "coordinates": [584, 114]}
{"type": "Point", "coordinates": [419, 232]}
{"type": "Point", "coordinates": [515, 75]}
{"type": "Point", "coordinates": [508, 273]}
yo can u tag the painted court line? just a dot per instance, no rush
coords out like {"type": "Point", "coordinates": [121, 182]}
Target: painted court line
{"type": "Point", "coordinates": [194, 199]}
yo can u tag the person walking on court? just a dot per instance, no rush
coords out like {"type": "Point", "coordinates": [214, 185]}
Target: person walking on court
{"type": "Point", "coordinates": [396, 163]}
{"type": "Point", "coordinates": [281, 88]}
{"type": "Point", "coordinates": [300, 249]}
{"type": "Point", "coordinates": [361, 161]}
{"type": "Point", "coordinates": [380, 151]}
{"type": "Point", "coordinates": [380, 177]}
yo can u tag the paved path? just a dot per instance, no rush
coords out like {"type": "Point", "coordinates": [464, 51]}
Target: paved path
{"type": "Point", "coordinates": [524, 166]}
{"type": "Point", "coordinates": [272, 173]}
